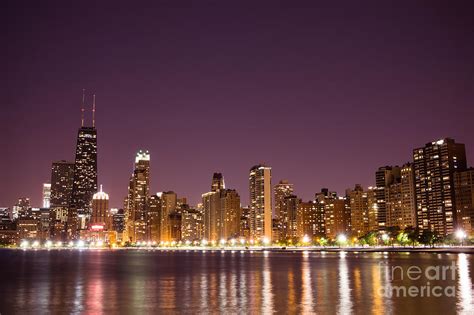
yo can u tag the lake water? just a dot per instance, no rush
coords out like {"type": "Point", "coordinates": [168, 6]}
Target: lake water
{"type": "Point", "coordinates": [140, 281]}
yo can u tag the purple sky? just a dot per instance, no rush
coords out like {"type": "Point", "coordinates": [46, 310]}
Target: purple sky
{"type": "Point", "coordinates": [324, 95]}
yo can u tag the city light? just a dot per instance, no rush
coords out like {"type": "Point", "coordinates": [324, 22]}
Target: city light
{"type": "Point", "coordinates": [461, 235]}
{"type": "Point", "coordinates": [341, 238]}
{"type": "Point", "coordinates": [24, 244]}
{"type": "Point", "coordinates": [80, 243]}
{"type": "Point", "coordinates": [265, 240]}
{"type": "Point", "coordinates": [222, 242]}
{"type": "Point", "coordinates": [306, 239]}
{"type": "Point", "coordinates": [48, 244]}
{"type": "Point", "coordinates": [204, 242]}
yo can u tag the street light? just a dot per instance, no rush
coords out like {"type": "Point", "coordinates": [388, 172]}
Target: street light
{"type": "Point", "coordinates": [306, 239]}
{"type": "Point", "coordinates": [461, 235]}
{"type": "Point", "coordinates": [341, 239]}
{"type": "Point", "coordinates": [265, 241]}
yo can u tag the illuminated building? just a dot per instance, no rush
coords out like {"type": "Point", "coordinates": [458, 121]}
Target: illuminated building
{"type": "Point", "coordinates": [175, 222]}
{"type": "Point", "coordinates": [20, 209]}
{"type": "Point", "coordinates": [434, 167]}
{"type": "Point", "coordinates": [400, 200]}
{"type": "Point", "coordinates": [221, 209]}
{"type": "Point", "coordinates": [245, 222]}
{"type": "Point", "coordinates": [288, 220]}
{"type": "Point", "coordinates": [384, 177]}
{"type": "Point", "coordinates": [62, 176]}
{"type": "Point", "coordinates": [260, 188]}
{"type": "Point", "coordinates": [191, 225]}
{"type": "Point", "coordinates": [85, 172]}
{"type": "Point", "coordinates": [281, 190]}
{"type": "Point", "coordinates": [309, 220]}
{"type": "Point", "coordinates": [137, 199]}
{"type": "Point", "coordinates": [464, 191]}
{"type": "Point", "coordinates": [46, 195]}
{"type": "Point", "coordinates": [359, 210]}
{"type": "Point", "coordinates": [333, 213]}
{"type": "Point", "coordinates": [100, 209]}
{"type": "Point", "coordinates": [169, 202]}
{"type": "Point", "coordinates": [153, 219]}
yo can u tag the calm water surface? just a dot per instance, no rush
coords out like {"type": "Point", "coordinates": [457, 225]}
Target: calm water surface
{"type": "Point", "coordinates": [131, 281]}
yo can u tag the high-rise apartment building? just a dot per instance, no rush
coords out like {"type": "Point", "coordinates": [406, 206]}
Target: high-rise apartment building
{"type": "Point", "coordinates": [384, 177]}
{"type": "Point", "coordinates": [464, 191]}
{"type": "Point", "coordinates": [359, 210]}
{"type": "Point", "coordinates": [434, 166]}
{"type": "Point", "coordinates": [281, 190]}
{"type": "Point", "coordinates": [400, 200]}
{"type": "Point", "coordinates": [260, 202]}
{"type": "Point", "coordinates": [288, 218]}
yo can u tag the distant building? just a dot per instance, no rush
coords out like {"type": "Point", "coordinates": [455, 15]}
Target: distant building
{"type": "Point", "coordinates": [169, 201]}
{"type": "Point", "coordinates": [335, 214]}
{"type": "Point", "coordinates": [281, 190]}
{"type": "Point", "coordinates": [191, 225]}
{"type": "Point", "coordinates": [260, 187]}
{"type": "Point", "coordinates": [46, 195]}
{"type": "Point", "coordinates": [62, 176]}
{"type": "Point", "coordinates": [153, 219]}
{"type": "Point", "coordinates": [464, 191]}
{"type": "Point", "coordinates": [20, 209]}
{"type": "Point", "coordinates": [85, 175]}
{"type": "Point", "coordinates": [100, 211]}
{"type": "Point", "coordinates": [434, 167]}
{"type": "Point", "coordinates": [136, 207]}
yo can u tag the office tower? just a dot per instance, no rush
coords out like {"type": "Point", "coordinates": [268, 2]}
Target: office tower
{"type": "Point", "coordinates": [100, 211]}
{"type": "Point", "coordinates": [400, 200]}
{"type": "Point", "coordinates": [20, 209]}
{"type": "Point", "coordinates": [384, 177]}
{"type": "Point", "coordinates": [211, 215]}
{"type": "Point", "coordinates": [191, 225]}
{"type": "Point", "coordinates": [434, 167]}
{"type": "Point", "coordinates": [169, 201]}
{"type": "Point", "coordinates": [288, 214]}
{"type": "Point", "coordinates": [217, 182]}
{"type": "Point", "coordinates": [464, 191]}
{"type": "Point", "coordinates": [281, 190]}
{"type": "Point", "coordinates": [62, 177]}
{"type": "Point", "coordinates": [85, 171]}
{"type": "Point", "coordinates": [359, 210]}
{"type": "Point", "coordinates": [137, 199]}
{"type": "Point", "coordinates": [153, 218]}
{"type": "Point", "coordinates": [46, 195]}
{"type": "Point", "coordinates": [260, 202]}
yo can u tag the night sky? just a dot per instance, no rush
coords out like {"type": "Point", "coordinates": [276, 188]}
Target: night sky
{"type": "Point", "coordinates": [323, 94]}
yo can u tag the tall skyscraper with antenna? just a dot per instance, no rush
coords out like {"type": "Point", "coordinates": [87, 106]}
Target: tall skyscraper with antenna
{"type": "Point", "coordinates": [85, 170]}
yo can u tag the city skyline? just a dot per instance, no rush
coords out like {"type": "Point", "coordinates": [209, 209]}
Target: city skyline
{"type": "Point", "coordinates": [323, 103]}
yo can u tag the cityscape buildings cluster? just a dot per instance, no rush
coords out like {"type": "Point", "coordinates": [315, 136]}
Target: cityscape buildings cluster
{"type": "Point", "coordinates": [434, 192]}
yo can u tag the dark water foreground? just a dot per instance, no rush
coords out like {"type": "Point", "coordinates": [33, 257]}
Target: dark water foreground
{"type": "Point", "coordinates": [131, 281]}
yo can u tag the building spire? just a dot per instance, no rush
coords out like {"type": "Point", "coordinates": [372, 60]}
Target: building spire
{"type": "Point", "coordinates": [93, 110]}
{"type": "Point", "coordinates": [82, 108]}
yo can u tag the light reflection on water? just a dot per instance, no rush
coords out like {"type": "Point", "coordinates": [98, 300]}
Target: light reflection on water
{"type": "Point", "coordinates": [196, 282]}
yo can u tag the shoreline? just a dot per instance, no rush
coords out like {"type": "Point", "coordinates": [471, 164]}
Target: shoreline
{"type": "Point", "coordinates": [434, 250]}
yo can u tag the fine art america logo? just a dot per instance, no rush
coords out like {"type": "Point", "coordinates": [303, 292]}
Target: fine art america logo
{"type": "Point", "coordinates": [416, 281]}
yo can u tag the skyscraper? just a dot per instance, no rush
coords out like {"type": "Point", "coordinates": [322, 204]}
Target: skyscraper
{"type": "Point", "coordinates": [434, 166]}
{"type": "Point", "coordinates": [260, 188]}
{"type": "Point", "coordinates": [46, 195]}
{"type": "Point", "coordinates": [137, 199]}
{"type": "Point", "coordinates": [62, 176]}
{"type": "Point", "coordinates": [281, 190]}
{"type": "Point", "coordinates": [85, 170]}
{"type": "Point", "coordinates": [221, 209]}
{"type": "Point", "coordinates": [168, 222]}
{"type": "Point", "coordinates": [288, 218]}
